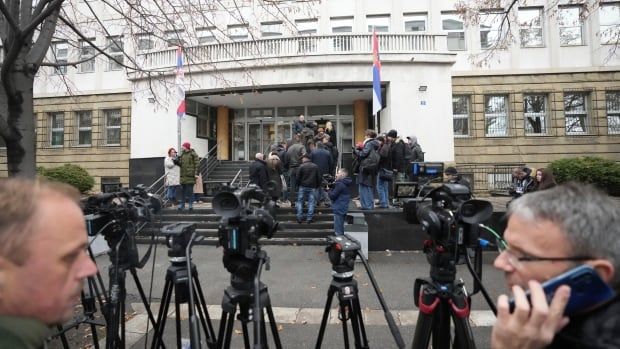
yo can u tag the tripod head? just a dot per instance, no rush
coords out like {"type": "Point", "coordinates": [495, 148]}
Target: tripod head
{"type": "Point", "coordinates": [342, 252]}
{"type": "Point", "coordinates": [178, 237]}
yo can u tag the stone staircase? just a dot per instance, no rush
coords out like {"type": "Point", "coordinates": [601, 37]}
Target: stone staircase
{"type": "Point", "coordinates": [224, 173]}
{"type": "Point", "coordinates": [289, 232]}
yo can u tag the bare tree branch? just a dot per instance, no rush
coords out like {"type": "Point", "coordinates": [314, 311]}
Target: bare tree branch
{"type": "Point", "coordinates": [8, 17]}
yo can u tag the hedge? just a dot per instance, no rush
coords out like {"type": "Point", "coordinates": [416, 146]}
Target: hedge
{"type": "Point", "coordinates": [600, 172]}
{"type": "Point", "coordinates": [71, 174]}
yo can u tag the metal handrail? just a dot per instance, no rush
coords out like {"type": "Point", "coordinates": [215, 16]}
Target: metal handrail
{"type": "Point", "coordinates": [235, 178]}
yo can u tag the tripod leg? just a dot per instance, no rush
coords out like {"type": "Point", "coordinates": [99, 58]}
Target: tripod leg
{"type": "Point", "coordinates": [63, 338]}
{"type": "Point", "coordinates": [441, 326]}
{"type": "Point", "coordinates": [142, 295]}
{"type": "Point", "coordinates": [328, 304]}
{"type": "Point", "coordinates": [177, 310]}
{"type": "Point", "coordinates": [263, 331]}
{"type": "Point", "coordinates": [428, 303]}
{"type": "Point", "coordinates": [343, 314]}
{"type": "Point", "coordinates": [459, 309]}
{"type": "Point", "coordinates": [161, 317]}
{"type": "Point", "coordinates": [222, 330]}
{"type": "Point", "coordinates": [359, 331]}
{"type": "Point", "coordinates": [246, 334]}
{"type": "Point", "coordinates": [210, 334]}
{"type": "Point", "coordinates": [274, 326]}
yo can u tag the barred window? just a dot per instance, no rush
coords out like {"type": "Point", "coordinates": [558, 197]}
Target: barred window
{"type": "Point", "coordinates": [535, 114]}
{"type": "Point", "coordinates": [496, 115]}
{"type": "Point", "coordinates": [460, 115]}
{"type": "Point", "coordinates": [115, 50]}
{"type": "Point", "coordinates": [112, 127]}
{"type": "Point", "coordinates": [307, 27]}
{"type": "Point", "coordinates": [531, 27]}
{"type": "Point", "coordinates": [84, 127]}
{"type": "Point", "coordinates": [86, 52]}
{"type": "Point", "coordinates": [576, 112]}
{"type": "Point", "coordinates": [342, 25]}
{"type": "Point", "coordinates": [612, 102]}
{"type": "Point", "coordinates": [57, 129]}
{"type": "Point", "coordinates": [571, 26]}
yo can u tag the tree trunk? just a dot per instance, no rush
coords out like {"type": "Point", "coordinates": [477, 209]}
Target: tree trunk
{"type": "Point", "coordinates": [21, 152]}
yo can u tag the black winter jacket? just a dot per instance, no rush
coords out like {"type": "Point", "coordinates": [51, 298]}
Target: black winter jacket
{"type": "Point", "coordinates": [259, 174]}
{"type": "Point", "coordinates": [308, 175]}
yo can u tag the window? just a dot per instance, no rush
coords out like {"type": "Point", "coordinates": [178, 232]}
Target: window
{"type": "Point", "coordinates": [460, 115]}
{"type": "Point", "coordinates": [84, 127]}
{"type": "Point", "coordinates": [342, 24]}
{"type": "Point", "coordinates": [576, 112]}
{"type": "Point", "coordinates": [609, 19]}
{"type": "Point", "coordinates": [238, 32]}
{"type": "Point", "coordinates": [530, 27]}
{"type": "Point", "coordinates": [205, 35]}
{"type": "Point", "coordinates": [306, 27]}
{"type": "Point", "coordinates": [57, 129]}
{"type": "Point", "coordinates": [174, 38]}
{"type": "Point", "coordinates": [535, 114]}
{"type": "Point", "coordinates": [60, 50]}
{"type": "Point", "coordinates": [86, 52]}
{"type": "Point", "coordinates": [571, 26]}
{"type": "Point", "coordinates": [378, 23]}
{"type": "Point", "coordinates": [270, 29]}
{"type": "Point", "coordinates": [612, 101]}
{"type": "Point", "coordinates": [496, 115]}
{"type": "Point", "coordinates": [453, 25]}
{"type": "Point", "coordinates": [144, 42]}
{"type": "Point", "coordinates": [115, 50]}
{"type": "Point", "coordinates": [202, 127]}
{"type": "Point", "coordinates": [415, 22]}
{"type": "Point", "coordinates": [112, 127]}
{"type": "Point", "coordinates": [490, 29]}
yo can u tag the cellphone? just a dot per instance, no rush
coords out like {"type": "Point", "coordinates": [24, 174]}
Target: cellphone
{"type": "Point", "coordinates": [587, 289]}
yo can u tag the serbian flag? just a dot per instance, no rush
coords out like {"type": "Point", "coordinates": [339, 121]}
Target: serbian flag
{"type": "Point", "coordinates": [180, 84]}
{"type": "Point", "coordinates": [376, 75]}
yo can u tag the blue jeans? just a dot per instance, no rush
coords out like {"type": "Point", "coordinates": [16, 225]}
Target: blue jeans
{"type": "Point", "coordinates": [366, 197]}
{"type": "Point", "coordinates": [383, 189]}
{"type": "Point", "coordinates": [171, 193]}
{"type": "Point", "coordinates": [339, 224]}
{"type": "Point", "coordinates": [301, 197]}
{"type": "Point", "coordinates": [188, 195]}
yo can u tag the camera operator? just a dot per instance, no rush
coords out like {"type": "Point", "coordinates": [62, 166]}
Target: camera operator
{"type": "Point", "coordinates": [340, 195]}
{"type": "Point", "coordinates": [453, 177]}
{"type": "Point", "coordinates": [548, 233]}
{"type": "Point", "coordinates": [43, 259]}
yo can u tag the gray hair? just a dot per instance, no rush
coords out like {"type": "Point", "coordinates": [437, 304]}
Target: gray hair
{"type": "Point", "coordinates": [258, 156]}
{"type": "Point", "coordinates": [589, 218]}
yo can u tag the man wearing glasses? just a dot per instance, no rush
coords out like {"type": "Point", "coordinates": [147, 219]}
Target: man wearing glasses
{"type": "Point", "coordinates": [548, 233]}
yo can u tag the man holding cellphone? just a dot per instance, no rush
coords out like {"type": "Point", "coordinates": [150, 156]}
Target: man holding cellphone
{"type": "Point", "coordinates": [549, 233]}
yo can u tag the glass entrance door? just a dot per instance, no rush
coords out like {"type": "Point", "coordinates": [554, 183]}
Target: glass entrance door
{"type": "Point", "coordinates": [260, 137]}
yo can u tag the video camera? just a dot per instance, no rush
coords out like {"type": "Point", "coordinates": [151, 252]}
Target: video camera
{"type": "Point", "coordinates": [327, 181]}
{"type": "Point", "coordinates": [115, 215]}
{"type": "Point", "coordinates": [247, 215]}
{"type": "Point", "coordinates": [452, 221]}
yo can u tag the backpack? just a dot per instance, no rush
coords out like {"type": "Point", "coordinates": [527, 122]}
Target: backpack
{"type": "Point", "coordinates": [371, 162]}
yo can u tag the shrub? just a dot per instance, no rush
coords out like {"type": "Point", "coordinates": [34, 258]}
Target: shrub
{"type": "Point", "coordinates": [71, 174]}
{"type": "Point", "coordinates": [603, 173]}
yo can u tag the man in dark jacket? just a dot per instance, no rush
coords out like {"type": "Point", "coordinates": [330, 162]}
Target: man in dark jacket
{"type": "Point", "coordinates": [299, 125]}
{"type": "Point", "coordinates": [385, 167]}
{"type": "Point", "coordinates": [323, 159]}
{"type": "Point", "coordinates": [189, 161]}
{"type": "Point", "coordinates": [522, 182]}
{"type": "Point", "coordinates": [329, 145]}
{"type": "Point", "coordinates": [309, 180]}
{"type": "Point", "coordinates": [453, 177]}
{"type": "Point", "coordinates": [294, 153]}
{"type": "Point", "coordinates": [258, 172]}
{"type": "Point", "coordinates": [366, 177]}
{"type": "Point", "coordinates": [341, 197]}
{"type": "Point", "coordinates": [550, 232]}
{"type": "Point", "coordinates": [417, 155]}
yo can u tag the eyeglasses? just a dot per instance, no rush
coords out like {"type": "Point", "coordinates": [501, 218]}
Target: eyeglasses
{"type": "Point", "coordinates": [515, 259]}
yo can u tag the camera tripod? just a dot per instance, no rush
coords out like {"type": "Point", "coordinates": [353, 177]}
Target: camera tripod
{"type": "Point", "coordinates": [345, 286]}
{"type": "Point", "coordinates": [240, 295]}
{"type": "Point", "coordinates": [442, 299]}
{"type": "Point", "coordinates": [114, 310]}
{"type": "Point", "coordinates": [177, 280]}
